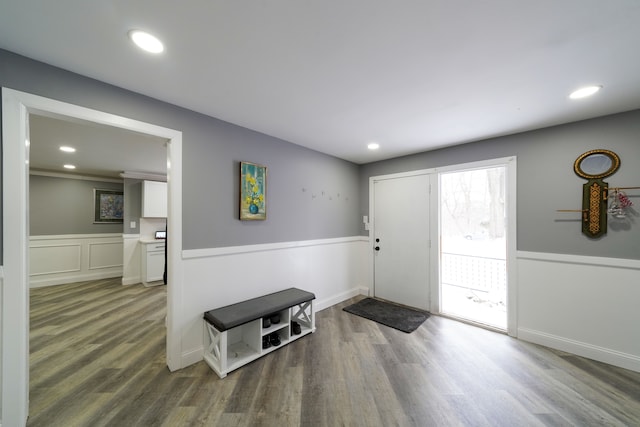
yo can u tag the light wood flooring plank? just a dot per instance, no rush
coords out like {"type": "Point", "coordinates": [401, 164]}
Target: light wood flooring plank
{"type": "Point", "coordinates": [98, 359]}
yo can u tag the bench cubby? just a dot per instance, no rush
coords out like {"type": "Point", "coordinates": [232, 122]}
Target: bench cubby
{"type": "Point", "coordinates": [234, 333]}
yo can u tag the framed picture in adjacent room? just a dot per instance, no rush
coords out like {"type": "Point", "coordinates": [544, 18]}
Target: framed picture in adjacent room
{"type": "Point", "coordinates": [108, 206]}
{"type": "Point", "coordinates": [253, 191]}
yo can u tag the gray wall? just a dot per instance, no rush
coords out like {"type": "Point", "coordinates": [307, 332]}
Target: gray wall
{"type": "Point", "coordinates": [546, 182]}
{"type": "Point", "coordinates": [212, 150]}
{"type": "Point", "coordinates": [132, 205]}
{"type": "Point", "coordinates": [65, 206]}
{"type": "Point", "coordinates": [294, 176]}
{"type": "Point", "coordinates": [311, 195]}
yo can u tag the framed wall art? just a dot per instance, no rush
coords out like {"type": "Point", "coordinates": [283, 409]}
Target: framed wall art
{"type": "Point", "coordinates": [108, 206]}
{"type": "Point", "coordinates": [253, 191]}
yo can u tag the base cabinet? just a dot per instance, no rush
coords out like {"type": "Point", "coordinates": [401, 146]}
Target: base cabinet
{"type": "Point", "coordinates": [152, 262]}
{"type": "Point", "coordinates": [228, 350]}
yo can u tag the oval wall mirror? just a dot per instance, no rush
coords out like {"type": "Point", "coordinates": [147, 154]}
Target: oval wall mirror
{"type": "Point", "coordinates": [596, 164]}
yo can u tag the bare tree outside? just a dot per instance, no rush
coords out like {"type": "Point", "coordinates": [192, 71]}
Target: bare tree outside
{"type": "Point", "coordinates": [473, 203]}
{"type": "Point", "coordinates": [495, 184]}
{"type": "Point", "coordinates": [473, 248]}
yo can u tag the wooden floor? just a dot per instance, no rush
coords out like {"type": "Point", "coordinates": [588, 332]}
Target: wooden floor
{"type": "Point", "coordinates": [98, 359]}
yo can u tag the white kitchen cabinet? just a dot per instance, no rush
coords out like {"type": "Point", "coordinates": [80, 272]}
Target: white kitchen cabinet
{"type": "Point", "coordinates": [154, 199]}
{"type": "Point", "coordinates": [152, 261]}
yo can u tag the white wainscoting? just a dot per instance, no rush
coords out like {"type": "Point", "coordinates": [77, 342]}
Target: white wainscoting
{"type": "Point", "coordinates": [54, 260]}
{"type": "Point", "coordinates": [583, 305]}
{"type": "Point", "coordinates": [131, 272]}
{"type": "Point", "coordinates": [333, 269]}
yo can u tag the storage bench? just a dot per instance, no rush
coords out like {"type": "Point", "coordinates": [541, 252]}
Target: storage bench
{"type": "Point", "coordinates": [234, 334]}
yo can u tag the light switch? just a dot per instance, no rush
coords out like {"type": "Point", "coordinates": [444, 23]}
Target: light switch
{"type": "Point", "coordinates": [132, 224]}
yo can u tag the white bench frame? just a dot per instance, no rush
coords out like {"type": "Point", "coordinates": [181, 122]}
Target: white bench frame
{"type": "Point", "coordinates": [228, 350]}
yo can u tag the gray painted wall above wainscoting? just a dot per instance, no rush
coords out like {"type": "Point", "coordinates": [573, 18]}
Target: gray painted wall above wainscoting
{"type": "Point", "coordinates": [314, 196]}
{"type": "Point", "coordinates": [132, 205]}
{"type": "Point", "coordinates": [310, 195]}
{"type": "Point", "coordinates": [546, 182]}
{"type": "Point", "coordinates": [60, 206]}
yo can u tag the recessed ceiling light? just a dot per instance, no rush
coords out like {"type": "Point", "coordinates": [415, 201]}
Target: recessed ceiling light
{"type": "Point", "coordinates": [146, 41]}
{"type": "Point", "coordinates": [584, 92]}
{"type": "Point", "coordinates": [69, 167]}
{"type": "Point", "coordinates": [67, 149]}
{"type": "Point", "coordinates": [373, 146]}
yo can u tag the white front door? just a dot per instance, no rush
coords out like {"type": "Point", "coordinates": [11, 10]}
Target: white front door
{"type": "Point", "coordinates": [401, 240]}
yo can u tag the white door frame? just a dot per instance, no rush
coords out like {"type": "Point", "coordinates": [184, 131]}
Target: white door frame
{"type": "Point", "coordinates": [434, 224]}
{"type": "Point", "coordinates": [510, 164]}
{"type": "Point", "coordinates": [16, 107]}
{"type": "Point", "coordinates": [432, 220]}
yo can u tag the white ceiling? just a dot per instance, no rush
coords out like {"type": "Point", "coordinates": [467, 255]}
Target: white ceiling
{"type": "Point", "coordinates": [412, 75]}
{"type": "Point", "coordinates": [100, 150]}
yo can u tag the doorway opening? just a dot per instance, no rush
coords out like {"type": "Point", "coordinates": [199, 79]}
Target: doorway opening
{"type": "Point", "coordinates": [473, 245]}
{"type": "Point", "coordinates": [17, 106]}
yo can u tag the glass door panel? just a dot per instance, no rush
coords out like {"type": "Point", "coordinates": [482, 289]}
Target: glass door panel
{"type": "Point", "coordinates": [473, 280]}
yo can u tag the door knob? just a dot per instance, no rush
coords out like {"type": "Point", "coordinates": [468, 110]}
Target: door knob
{"type": "Point", "coordinates": [377, 248]}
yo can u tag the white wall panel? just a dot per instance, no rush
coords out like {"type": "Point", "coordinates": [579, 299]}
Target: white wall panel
{"type": "Point", "coordinates": [584, 305]}
{"type": "Point", "coordinates": [105, 254]}
{"type": "Point", "coordinates": [55, 258]}
{"type": "Point", "coordinates": [334, 270]}
{"type": "Point", "coordinates": [59, 259]}
{"type": "Point", "coordinates": [131, 273]}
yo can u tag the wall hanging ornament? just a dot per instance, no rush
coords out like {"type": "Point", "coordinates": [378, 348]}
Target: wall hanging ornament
{"type": "Point", "coordinates": [593, 166]}
{"type": "Point", "coordinates": [619, 205]}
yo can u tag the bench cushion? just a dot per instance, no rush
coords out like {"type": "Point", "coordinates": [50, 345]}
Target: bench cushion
{"type": "Point", "coordinates": [233, 315]}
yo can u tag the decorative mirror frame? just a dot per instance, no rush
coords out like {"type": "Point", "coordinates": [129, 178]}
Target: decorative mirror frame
{"type": "Point", "coordinates": [595, 193]}
{"type": "Point", "coordinates": [615, 164]}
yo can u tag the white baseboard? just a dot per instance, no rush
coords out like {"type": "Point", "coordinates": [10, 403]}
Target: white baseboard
{"type": "Point", "coordinates": [36, 283]}
{"type": "Point", "coordinates": [601, 354]}
{"type": "Point", "coordinates": [134, 280]}
{"type": "Point", "coordinates": [192, 356]}
{"type": "Point", "coordinates": [336, 299]}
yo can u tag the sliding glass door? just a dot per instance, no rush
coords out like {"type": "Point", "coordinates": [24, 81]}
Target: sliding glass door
{"type": "Point", "coordinates": [473, 246]}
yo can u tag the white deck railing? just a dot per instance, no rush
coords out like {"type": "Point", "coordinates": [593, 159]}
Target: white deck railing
{"type": "Point", "coordinates": [481, 274]}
